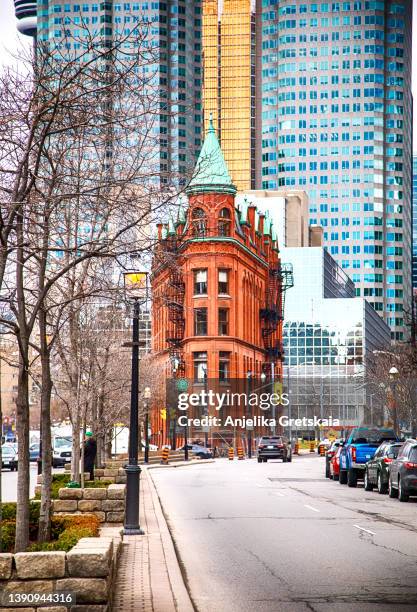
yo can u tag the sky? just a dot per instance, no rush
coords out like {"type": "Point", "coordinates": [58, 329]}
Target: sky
{"type": "Point", "coordinates": [11, 41]}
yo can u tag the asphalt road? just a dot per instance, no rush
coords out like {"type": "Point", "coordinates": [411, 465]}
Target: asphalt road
{"type": "Point", "coordinates": [275, 537]}
{"type": "Point", "coordinates": [9, 483]}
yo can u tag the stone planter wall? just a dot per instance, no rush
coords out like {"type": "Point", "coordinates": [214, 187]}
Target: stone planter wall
{"type": "Point", "coordinates": [113, 473]}
{"type": "Point", "coordinates": [107, 504]}
{"type": "Point", "coordinates": [88, 570]}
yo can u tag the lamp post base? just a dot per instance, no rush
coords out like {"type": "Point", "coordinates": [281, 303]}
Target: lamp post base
{"type": "Point", "coordinates": [132, 526]}
{"type": "Point", "coordinates": [127, 531]}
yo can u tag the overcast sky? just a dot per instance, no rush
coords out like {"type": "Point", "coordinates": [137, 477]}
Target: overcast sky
{"type": "Point", "coordinates": [11, 41]}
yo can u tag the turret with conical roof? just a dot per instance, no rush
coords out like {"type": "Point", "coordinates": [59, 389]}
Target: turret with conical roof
{"type": "Point", "coordinates": [211, 174]}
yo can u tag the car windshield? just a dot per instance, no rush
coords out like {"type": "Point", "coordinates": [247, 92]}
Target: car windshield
{"type": "Point", "coordinates": [372, 436]}
{"type": "Point", "coordinates": [413, 454]}
{"type": "Point", "coordinates": [62, 442]}
{"type": "Point", "coordinates": [393, 450]}
{"type": "Point", "coordinates": [7, 450]}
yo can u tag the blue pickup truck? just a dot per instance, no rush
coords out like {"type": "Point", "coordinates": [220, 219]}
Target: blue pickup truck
{"type": "Point", "coordinates": [359, 447]}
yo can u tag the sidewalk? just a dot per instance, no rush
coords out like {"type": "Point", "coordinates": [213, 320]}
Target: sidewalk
{"type": "Point", "coordinates": [149, 578]}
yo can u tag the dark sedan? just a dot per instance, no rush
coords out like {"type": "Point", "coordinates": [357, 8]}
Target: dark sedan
{"type": "Point", "coordinates": [403, 473]}
{"type": "Point", "coordinates": [378, 468]}
{"type": "Point", "coordinates": [198, 451]}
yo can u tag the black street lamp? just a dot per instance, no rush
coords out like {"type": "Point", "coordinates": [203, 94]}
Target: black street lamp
{"type": "Point", "coordinates": [136, 285]}
{"type": "Point", "coordinates": [147, 396]}
{"type": "Point", "coordinates": [393, 376]}
{"type": "Point", "coordinates": [248, 411]}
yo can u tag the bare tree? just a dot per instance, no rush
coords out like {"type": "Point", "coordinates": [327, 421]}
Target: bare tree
{"type": "Point", "coordinates": [79, 186]}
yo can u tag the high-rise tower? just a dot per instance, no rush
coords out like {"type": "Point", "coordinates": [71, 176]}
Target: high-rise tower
{"type": "Point", "coordinates": [336, 121]}
{"type": "Point", "coordinates": [229, 86]}
{"type": "Point", "coordinates": [173, 29]}
{"type": "Point", "coordinates": [25, 11]}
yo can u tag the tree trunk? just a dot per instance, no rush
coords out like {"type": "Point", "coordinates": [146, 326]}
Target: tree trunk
{"type": "Point", "coordinates": [23, 473]}
{"type": "Point", "coordinates": [44, 534]}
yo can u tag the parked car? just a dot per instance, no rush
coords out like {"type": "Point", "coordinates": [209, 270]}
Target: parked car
{"type": "Point", "coordinates": [335, 464]}
{"type": "Point", "coordinates": [61, 450]}
{"type": "Point", "coordinates": [403, 473]}
{"type": "Point", "coordinates": [198, 451]}
{"type": "Point", "coordinates": [377, 469]}
{"type": "Point", "coordinates": [34, 450]}
{"type": "Point", "coordinates": [274, 447]}
{"type": "Point", "coordinates": [331, 452]}
{"type": "Point", "coordinates": [360, 446]}
{"type": "Point", "coordinates": [8, 457]}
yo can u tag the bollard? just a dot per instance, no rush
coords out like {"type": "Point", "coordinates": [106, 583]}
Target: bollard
{"type": "Point", "coordinates": [231, 453]}
{"type": "Point", "coordinates": [312, 444]}
{"type": "Point", "coordinates": [296, 449]}
{"type": "Point", "coordinates": [240, 453]}
{"type": "Point", "coordinates": [321, 450]}
{"type": "Point", "coordinates": [165, 455]}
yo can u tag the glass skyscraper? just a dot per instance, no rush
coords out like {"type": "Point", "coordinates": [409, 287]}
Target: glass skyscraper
{"type": "Point", "coordinates": [173, 32]}
{"type": "Point", "coordinates": [336, 121]}
{"type": "Point", "coordinates": [229, 85]}
{"type": "Point", "coordinates": [414, 222]}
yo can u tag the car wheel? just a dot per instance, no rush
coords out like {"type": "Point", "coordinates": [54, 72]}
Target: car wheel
{"type": "Point", "coordinates": [382, 486]}
{"type": "Point", "coordinates": [391, 491]}
{"type": "Point", "coordinates": [284, 459]}
{"type": "Point", "coordinates": [289, 459]}
{"type": "Point", "coordinates": [402, 495]}
{"type": "Point", "coordinates": [367, 485]}
{"type": "Point", "coordinates": [265, 459]}
{"type": "Point", "coordinates": [328, 475]}
{"type": "Point", "coordinates": [352, 478]}
{"type": "Point", "coordinates": [343, 477]}
{"type": "Point", "coordinates": [259, 459]}
{"type": "Point", "coordinates": [335, 477]}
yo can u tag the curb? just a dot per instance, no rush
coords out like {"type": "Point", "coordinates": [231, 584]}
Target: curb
{"type": "Point", "coordinates": [182, 464]}
{"type": "Point", "coordinates": [180, 593]}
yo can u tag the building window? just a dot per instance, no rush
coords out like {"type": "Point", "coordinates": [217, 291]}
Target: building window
{"type": "Point", "coordinates": [223, 321]}
{"type": "Point", "coordinates": [200, 282]}
{"type": "Point", "coordinates": [200, 366]}
{"type": "Point", "coordinates": [224, 222]}
{"type": "Point", "coordinates": [224, 366]}
{"type": "Point", "coordinates": [200, 321]}
{"type": "Point", "coordinates": [199, 222]}
{"type": "Point", "coordinates": [224, 282]}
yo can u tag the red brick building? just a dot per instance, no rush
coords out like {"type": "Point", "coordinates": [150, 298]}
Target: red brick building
{"type": "Point", "coordinates": [217, 285]}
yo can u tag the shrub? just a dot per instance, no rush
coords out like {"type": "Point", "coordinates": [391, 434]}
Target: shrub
{"type": "Point", "coordinates": [97, 484]}
{"type": "Point", "coordinates": [7, 532]}
{"type": "Point", "coordinates": [69, 530]}
{"type": "Point", "coordinates": [8, 511]}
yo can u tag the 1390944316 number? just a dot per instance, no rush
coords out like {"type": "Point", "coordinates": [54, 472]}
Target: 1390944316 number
{"type": "Point", "coordinates": [39, 599]}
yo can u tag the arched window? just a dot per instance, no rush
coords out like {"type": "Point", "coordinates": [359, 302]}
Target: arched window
{"type": "Point", "coordinates": [199, 222]}
{"type": "Point", "coordinates": [224, 222]}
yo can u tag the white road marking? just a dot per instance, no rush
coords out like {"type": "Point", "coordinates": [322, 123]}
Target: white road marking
{"type": "Point", "coordinates": [363, 529]}
{"type": "Point", "coordinates": [311, 508]}
{"type": "Point", "coordinates": [278, 494]}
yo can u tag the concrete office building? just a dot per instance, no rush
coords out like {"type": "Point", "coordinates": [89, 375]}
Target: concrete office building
{"type": "Point", "coordinates": [174, 31]}
{"type": "Point", "coordinates": [336, 117]}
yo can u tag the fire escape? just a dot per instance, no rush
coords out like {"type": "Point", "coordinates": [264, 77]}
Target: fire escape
{"type": "Point", "coordinates": [279, 280]}
{"type": "Point", "coordinates": [174, 300]}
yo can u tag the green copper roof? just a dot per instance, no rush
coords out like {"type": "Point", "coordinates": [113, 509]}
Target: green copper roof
{"type": "Point", "coordinates": [211, 173]}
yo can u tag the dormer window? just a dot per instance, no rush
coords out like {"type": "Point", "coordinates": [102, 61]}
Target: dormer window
{"type": "Point", "coordinates": [199, 222]}
{"type": "Point", "coordinates": [224, 222]}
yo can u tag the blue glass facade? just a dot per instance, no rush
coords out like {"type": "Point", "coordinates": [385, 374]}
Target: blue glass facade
{"type": "Point", "coordinates": [173, 33]}
{"type": "Point", "coordinates": [336, 111]}
{"type": "Point", "coordinates": [414, 222]}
